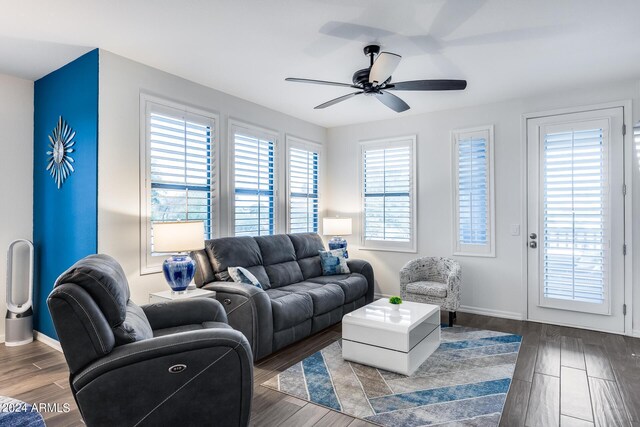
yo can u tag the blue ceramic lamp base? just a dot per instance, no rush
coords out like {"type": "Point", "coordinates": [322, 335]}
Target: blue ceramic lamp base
{"type": "Point", "coordinates": [338, 242]}
{"type": "Point", "coordinates": [179, 271]}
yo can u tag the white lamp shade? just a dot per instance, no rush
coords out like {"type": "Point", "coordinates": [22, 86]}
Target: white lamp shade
{"type": "Point", "coordinates": [179, 236]}
{"type": "Point", "coordinates": [336, 226]}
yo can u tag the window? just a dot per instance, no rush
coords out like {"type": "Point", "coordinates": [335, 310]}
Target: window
{"type": "Point", "coordinates": [388, 194]}
{"type": "Point", "coordinates": [473, 192]}
{"type": "Point", "coordinates": [254, 188]}
{"type": "Point", "coordinates": [303, 185]}
{"type": "Point", "coordinates": [179, 171]}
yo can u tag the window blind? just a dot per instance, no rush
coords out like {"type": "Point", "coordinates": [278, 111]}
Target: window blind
{"type": "Point", "coordinates": [181, 168]}
{"type": "Point", "coordinates": [303, 190]}
{"type": "Point", "coordinates": [387, 184]}
{"type": "Point", "coordinates": [473, 201]}
{"type": "Point", "coordinates": [575, 245]}
{"type": "Point", "coordinates": [636, 137]}
{"type": "Point", "coordinates": [254, 184]}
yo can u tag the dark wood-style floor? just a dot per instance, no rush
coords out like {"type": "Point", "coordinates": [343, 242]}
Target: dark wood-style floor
{"type": "Point", "coordinates": [564, 376]}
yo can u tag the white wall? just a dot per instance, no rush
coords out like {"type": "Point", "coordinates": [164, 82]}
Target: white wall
{"type": "Point", "coordinates": [16, 170]}
{"type": "Point", "coordinates": [491, 285]}
{"type": "Point", "coordinates": [121, 82]}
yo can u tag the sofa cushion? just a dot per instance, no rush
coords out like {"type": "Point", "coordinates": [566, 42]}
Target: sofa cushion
{"type": "Point", "coordinates": [135, 327]}
{"type": "Point", "coordinates": [325, 297]}
{"type": "Point", "coordinates": [289, 309]}
{"type": "Point", "coordinates": [240, 251]}
{"type": "Point", "coordinates": [284, 274]}
{"type": "Point", "coordinates": [353, 285]}
{"type": "Point", "coordinates": [310, 267]}
{"type": "Point", "coordinates": [306, 244]}
{"type": "Point", "coordinates": [275, 249]}
{"type": "Point", "coordinates": [430, 289]}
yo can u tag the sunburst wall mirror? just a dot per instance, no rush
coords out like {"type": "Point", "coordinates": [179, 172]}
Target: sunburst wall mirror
{"type": "Point", "coordinates": [59, 159]}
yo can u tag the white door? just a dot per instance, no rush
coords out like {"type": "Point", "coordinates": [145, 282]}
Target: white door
{"type": "Point", "coordinates": [576, 219]}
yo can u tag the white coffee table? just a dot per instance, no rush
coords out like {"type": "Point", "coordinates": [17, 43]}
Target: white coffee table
{"type": "Point", "coordinates": [398, 341]}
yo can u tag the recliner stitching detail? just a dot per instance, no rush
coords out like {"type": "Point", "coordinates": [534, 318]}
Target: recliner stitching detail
{"type": "Point", "coordinates": [88, 317]}
{"type": "Point", "coordinates": [82, 375]}
{"type": "Point", "coordinates": [186, 383]}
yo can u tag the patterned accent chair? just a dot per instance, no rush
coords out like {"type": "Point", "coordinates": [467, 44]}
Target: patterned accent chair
{"type": "Point", "coordinates": [432, 280]}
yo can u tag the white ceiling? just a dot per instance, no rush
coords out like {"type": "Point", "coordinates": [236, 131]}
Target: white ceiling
{"type": "Point", "coordinates": [503, 48]}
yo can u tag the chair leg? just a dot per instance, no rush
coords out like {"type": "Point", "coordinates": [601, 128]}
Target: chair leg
{"type": "Point", "coordinates": [452, 315]}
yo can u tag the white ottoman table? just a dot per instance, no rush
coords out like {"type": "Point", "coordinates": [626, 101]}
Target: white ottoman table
{"type": "Point", "coordinates": [394, 340]}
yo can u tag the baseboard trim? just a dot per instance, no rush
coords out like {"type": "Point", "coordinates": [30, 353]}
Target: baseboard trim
{"type": "Point", "coordinates": [54, 344]}
{"type": "Point", "coordinates": [477, 310]}
{"type": "Point", "coordinates": [1, 338]}
{"type": "Point", "coordinates": [490, 312]}
{"type": "Point", "coordinates": [635, 333]}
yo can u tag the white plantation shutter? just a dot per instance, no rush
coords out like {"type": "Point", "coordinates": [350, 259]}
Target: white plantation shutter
{"type": "Point", "coordinates": [303, 185]}
{"type": "Point", "coordinates": [473, 207]}
{"type": "Point", "coordinates": [388, 191]}
{"type": "Point", "coordinates": [636, 138]}
{"type": "Point", "coordinates": [254, 181]}
{"type": "Point", "coordinates": [576, 215]}
{"type": "Point", "coordinates": [181, 166]}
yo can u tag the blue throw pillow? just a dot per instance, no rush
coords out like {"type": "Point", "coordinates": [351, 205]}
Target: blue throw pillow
{"type": "Point", "coordinates": [242, 275]}
{"type": "Point", "coordinates": [334, 262]}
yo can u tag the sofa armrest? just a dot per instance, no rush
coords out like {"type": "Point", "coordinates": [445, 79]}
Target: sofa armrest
{"type": "Point", "coordinates": [192, 368]}
{"type": "Point", "coordinates": [248, 311]}
{"type": "Point", "coordinates": [184, 312]}
{"type": "Point", "coordinates": [363, 267]}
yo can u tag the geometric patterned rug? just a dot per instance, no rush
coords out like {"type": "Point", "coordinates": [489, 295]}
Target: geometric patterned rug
{"type": "Point", "coordinates": [464, 382]}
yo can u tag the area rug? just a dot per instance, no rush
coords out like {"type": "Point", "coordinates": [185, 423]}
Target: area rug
{"type": "Point", "coordinates": [464, 382]}
{"type": "Point", "coordinates": [14, 413]}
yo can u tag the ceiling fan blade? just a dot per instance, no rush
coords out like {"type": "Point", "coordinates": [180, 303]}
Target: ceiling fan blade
{"type": "Point", "coordinates": [384, 65]}
{"type": "Point", "coordinates": [339, 99]}
{"type": "Point", "coordinates": [429, 85]}
{"type": "Point", "coordinates": [392, 101]}
{"type": "Point", "coordinates": [319, 82]}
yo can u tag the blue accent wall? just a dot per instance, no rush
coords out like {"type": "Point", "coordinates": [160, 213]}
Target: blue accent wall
{"type": "Point", "coordinates": [65, 220]}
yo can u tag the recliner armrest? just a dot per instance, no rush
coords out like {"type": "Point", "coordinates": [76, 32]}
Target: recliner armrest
{"type": "Point", "coordinates": [184, 312]}
{"type": "Point", "coordinates": [154, 348]}
{"type": "Point", "coordinates": [363, 267]}
{"type": "Point", "coordinates": [248, 311]}
{"type": "Point", "coordinates": [145, 380]}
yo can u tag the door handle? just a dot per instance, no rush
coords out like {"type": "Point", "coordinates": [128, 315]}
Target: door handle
{"type": "Point", "coordinates": [533, 244]}
{"type": "Point", "coordinates": [533, 236]}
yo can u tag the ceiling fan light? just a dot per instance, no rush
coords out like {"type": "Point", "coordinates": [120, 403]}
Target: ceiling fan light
{"type": "Point", "coordinates": [384, 65]}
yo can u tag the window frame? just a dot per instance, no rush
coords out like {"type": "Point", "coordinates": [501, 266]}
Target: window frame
{"type": "Point", "coordinates": [461, 249]}
{"type": "Point", "coordinates": [302, 144]}
{"type": "Point", "coordinates": [149, 263]}
{"type": "Point", "coordinates": [254, 130]}
{"type": "Point", "coordinates": [381, 245]}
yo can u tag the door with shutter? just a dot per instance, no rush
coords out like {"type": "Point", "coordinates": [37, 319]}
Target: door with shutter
{"type": "Point", "coordinates": [576, 219]}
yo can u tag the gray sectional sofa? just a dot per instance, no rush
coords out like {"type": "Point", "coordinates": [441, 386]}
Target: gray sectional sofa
{"type": "Point", "coordinates": [297, 300]}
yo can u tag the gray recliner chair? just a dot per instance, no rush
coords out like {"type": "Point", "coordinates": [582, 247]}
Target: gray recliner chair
{"type": "Point", "coordinates": [174, 363]}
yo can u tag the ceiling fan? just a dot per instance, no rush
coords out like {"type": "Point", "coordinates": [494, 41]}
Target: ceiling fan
{"type": "Point", "coordinates": [376, 81]}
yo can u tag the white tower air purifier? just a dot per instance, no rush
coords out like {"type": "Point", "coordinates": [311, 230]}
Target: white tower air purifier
{"type": "Point", "coordinates": [19, 319]}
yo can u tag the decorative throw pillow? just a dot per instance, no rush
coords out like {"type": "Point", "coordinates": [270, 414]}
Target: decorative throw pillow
{"type": "Point", "coordinates": [334, 262]}
{"type": "Point", "coordinates": [242, 275]}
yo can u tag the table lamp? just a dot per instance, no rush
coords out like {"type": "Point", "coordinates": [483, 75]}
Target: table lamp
{"type": "Point", "coordinates": [178, 238]}
{"type": "Point", "coordinates": [337, 227]}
